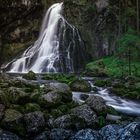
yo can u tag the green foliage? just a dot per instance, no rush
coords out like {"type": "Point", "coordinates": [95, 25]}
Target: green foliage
{"type": "Point", "coordinates": [111, 110]}
{"type": "Point", "coordinates": [101, 122]}
{"type": "Point", "coordinates": [117, 67]}
{"type": "Point", "coordinates": [128, 49]}
{"type": "Point", "coordinates": [63, 78]}
{"type": "Point", "coordinates": [30, 76]}
{"type": "Point", "coordinates": [91, 9]}
{"type": "Point", "coordinates": [129, 39]}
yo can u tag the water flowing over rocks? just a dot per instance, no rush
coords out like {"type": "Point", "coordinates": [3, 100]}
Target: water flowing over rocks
{"type": "Point", "coordinates": [59, 47]}
{"type": "Point", "coordinates": [58, 116]}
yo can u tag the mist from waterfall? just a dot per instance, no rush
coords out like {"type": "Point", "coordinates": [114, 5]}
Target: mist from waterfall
{"type": "Point", "coordinates": [59, 47]}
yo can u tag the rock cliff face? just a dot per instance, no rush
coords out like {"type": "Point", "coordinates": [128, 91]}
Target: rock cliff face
{"type": "Point", "coordinates": [21, 20]}
{"type": "Point", "coordinates": [96, 24]}
{"type": "Point", "coordinates": [19, 26]}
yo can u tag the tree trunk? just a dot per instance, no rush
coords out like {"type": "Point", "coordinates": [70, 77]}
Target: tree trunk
{"type": "Point", "coordinates": [138, 16]}
{"type": "Point", "coordinates": [129, 59]}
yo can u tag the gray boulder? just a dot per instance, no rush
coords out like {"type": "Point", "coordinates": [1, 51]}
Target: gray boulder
{"type": "Point", "coordinates": [60, 134]}
{"type": "Point", "coordinates": [86, 134]}
{"type": "Point", "coordinates": [14, 95]}
{"type": "Point", "coordinates": [5, 135]}
{"type": "Point", "coordinates": [13, 120]}
{"type": "Point", "coordinates": [130, 132]}
{"type": "Point", "coordinates": [50, 99]}
{"type": "Point", "coordinates": [97, 104]}
{"type": "Point", "coordinates": [86, 113]}
{"type": "Point", "coordinates": [109, 132]}
{"type": "Point", "coordinates": [80, 85]}
{"type": "Point", "coordinates": [55, 134]}
{"type": "Point", "coordinates": [68, 122]}
{"type": "Point", "coordinates": [64, 89]}
{"type": "Point", "coordinates": [34, 121]}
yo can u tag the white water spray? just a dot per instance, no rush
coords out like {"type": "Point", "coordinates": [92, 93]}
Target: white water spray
{"type": "Point", "coordinates": [53, 51]}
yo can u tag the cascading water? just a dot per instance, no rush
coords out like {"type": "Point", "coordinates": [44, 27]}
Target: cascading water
{"type": "Point", "coordinates": [59, 47]}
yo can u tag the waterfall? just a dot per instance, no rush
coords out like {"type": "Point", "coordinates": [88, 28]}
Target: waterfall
{"type": "Point", "coordinates": [59, 47]}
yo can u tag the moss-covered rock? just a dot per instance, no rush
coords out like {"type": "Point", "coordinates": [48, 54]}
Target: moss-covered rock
{"type": "Point", "coordinates": [119, 91]}
{"type": "Point", "coordinates": [62, 89]}
{"type": "Point", "coordinates": [127, 92]}
{"type": "Point", "coordinates": [133, 95]}
{"type": "Point", "coordinates": [31, 107]}
{"type": "Point", "coordinates": [2, 108]}
{"type": "Point", "coordinates": [51, 99]}
{"type": "Point", "coordinates": [137, 86]}
{"type": "Point", "coordinates": [63, 109]}
{"type": "Point", "coordinates": [118, 85]}
{"type": "Point", "coordinates": [19, 108]}
{"type": "Point", "coordinates": [111, 110]}
{"type": "Point", "coordinates": [101, 83]}
{"type": "Point", "coordinates": [17, 95]}
{"type": "Point", "coordinates": [101, 122]}
{"type": "Point", "coordinates": [62, 78]}
{"type": "Point", "coordinates": [13, 120]}
{"type": "Point", "coordinates": [97, 104]}
{"type": "Point", "coordinates": [80, 85]}
{"type": "Point", "coordinates": [86, 113]}
{"type": "Point", "coordinates": [30, 76]}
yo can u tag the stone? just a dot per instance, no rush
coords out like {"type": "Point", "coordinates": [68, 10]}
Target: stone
{"type": "Point", "coordinates": [43, 136]}
{"type": "Point", "coordinates": [97, 104]}
{"type": "Point", "coordinates": [86, 134]}
{"type": "Point", "coordinates": [86, 113]}
{"type": "Point", "coordinates": [130, 132]}
{"type": "Point", "coordinates": [13, 120]}
{"type": "Point", "coordinates": [60, 134]}
{"type": "Point", "coordinates": [16, 96]}
{"type": "Point", "coordinates": [81, 86]}
{"type": "Point", "coordinates": [2, 108]}
{"type": "Point", "coordinates": [5, 135]}
{"type": "Point", "coordinates": [30, 76]}
{"type": "Point", "coordinates": [31, 107]}
{"type": "Point", "coordinates": [55, 134]}
{"type": "Point", "coordinates": [50, 99]}
{"type": "Point", "coordinates": [68, 122]}
{"type": "Point", "coordinates": [100, 83]}
{"type": "Point", "coordinates": [109, 132]}
{"type": "Point", "coordinates": [34, 121]}
{"type": "Point", "coordinates": [64, 89]}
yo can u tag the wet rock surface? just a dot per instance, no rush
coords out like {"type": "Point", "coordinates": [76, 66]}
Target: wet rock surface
{"type": "Point", "coordinates": [60, 117]}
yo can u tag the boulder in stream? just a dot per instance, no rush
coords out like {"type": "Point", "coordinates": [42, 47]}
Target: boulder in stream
{"type": "Point", "coordinates": [97, 104]}
{"type": "Point", "coordinates": [81, 86]}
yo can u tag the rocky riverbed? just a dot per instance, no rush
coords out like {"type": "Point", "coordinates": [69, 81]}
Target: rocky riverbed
{"type": "Point", "coordinates": [46, 110]}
